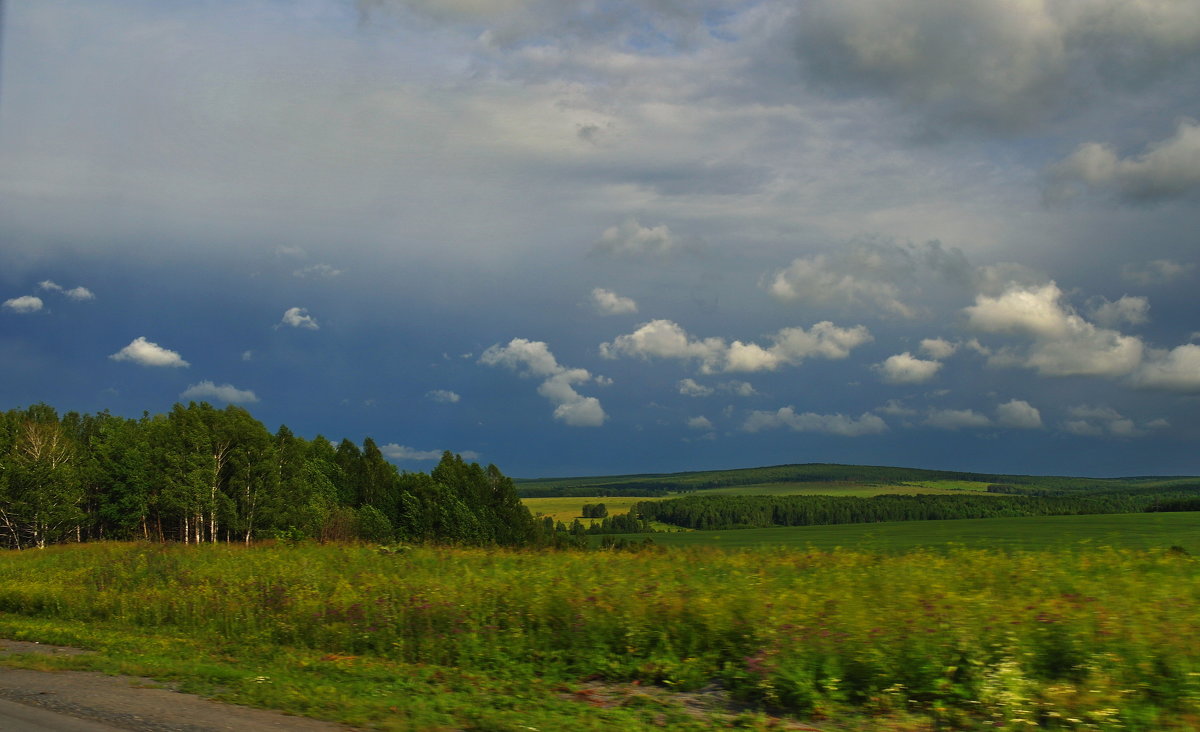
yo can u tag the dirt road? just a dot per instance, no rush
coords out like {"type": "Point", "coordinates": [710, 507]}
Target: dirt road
{"type": "Point", "coordinates": [78, 701]}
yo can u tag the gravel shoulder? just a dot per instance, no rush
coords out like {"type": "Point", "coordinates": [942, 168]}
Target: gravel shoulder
{"type": "Point", "coordinates": [86, 701]}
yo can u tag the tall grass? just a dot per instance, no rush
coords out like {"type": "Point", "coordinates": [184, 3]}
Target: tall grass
{"type": "Point", "coordinates": [1095, 639]}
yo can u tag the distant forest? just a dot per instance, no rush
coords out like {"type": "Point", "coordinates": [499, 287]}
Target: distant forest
{"type": "Point", "coordinates": [201, 474]}
{"type": "Point", "coordinates": [741, 512]}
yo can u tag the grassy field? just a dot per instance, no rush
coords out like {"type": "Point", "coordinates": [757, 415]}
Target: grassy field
{"type": "Point", "coordinates": [691, 638]}
{"type": "Point", "coordinates": [1135, 531]}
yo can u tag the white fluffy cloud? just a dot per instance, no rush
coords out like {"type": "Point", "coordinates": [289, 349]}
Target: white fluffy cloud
{"type": "Point", "coordinates": [1167, 169]}
{"type": "Point", "coordinates": [444, 396]}
{"type": "Point", "coordinates": [956, 419]}
{"type": "Point", "coordinates": [298, 318]}
{"type": "Point", "coordinates": [224, 393]}
{"type": "Point", "coordinates": [403, 452]}
{"type": "Point", "coordinates": [534, 359]}
{"type": "Point", "coordinates": [1064, 344]}
{"type": "Point", "coordinates": [699, 423]}
{"type": "Point", "coordinates": [938, 348]}
{"type": "Point", "coordinates": [632, 239]}
{"type": "Point", "coordinates": [904, 368]}
{"type": "Point", "coordinates": [24, 304]}
{"type": "Point", "coordinates": [608, 302]}
{"type": "Point", "coordinates": [821, 281]}
{"type": "Point", "coordinates": [146, 353]}
{"type": "Point", "coordinates": [790, 346]}
{"type": "Point", "coordinates": [80, 293]}
{"type": "Point", "coordinates": [1018, 414]}
{"type": "Point", "coordinates": [836, 424]}
{"type": "Point", "coordinates": [1174, 370]}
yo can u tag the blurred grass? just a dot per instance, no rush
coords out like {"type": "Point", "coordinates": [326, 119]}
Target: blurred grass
{"type": "Point", "coordinates": [1088, 637]}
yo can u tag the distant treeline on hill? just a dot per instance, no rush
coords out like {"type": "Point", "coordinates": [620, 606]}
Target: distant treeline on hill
{"type": "Point", "coordinates": [201, 474]}
{"type": "Point", "coordinates": [736, 512]}
{"type": "Point", "coordinates": [667, 483]}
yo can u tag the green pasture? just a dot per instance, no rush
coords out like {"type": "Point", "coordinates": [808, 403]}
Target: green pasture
{"type": "Point", "coordinates": [1130, 530]}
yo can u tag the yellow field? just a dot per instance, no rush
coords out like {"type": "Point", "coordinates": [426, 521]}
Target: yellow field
{"type": "Point", "coordinates": [569, 509]}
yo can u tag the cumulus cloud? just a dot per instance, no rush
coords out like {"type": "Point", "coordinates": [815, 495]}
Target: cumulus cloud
{"type": "Point", "coordinates": [445, 396]}
{"type": "Point", "coordinates": [956, 419]}
{"type": "Point", "coordinates": [146, 353]}
{"type": "Point", "coordinates": [867, 274]}
{"type": "Point", "coordinates": [24, 304]}
{"type": "Point", "coordinates": [608, 302]}
{"type": "Point", "coordinates": [835, 424]}
{"type": "Point", "coordinates": [403, 452]}
{"type": "Point", "coordinates": [904, 368]}
{"type": "Point", "coordinates": [938, 348]}
{"type": "Point", "coordinates": [224, 393]}
{"type": "Point", "coordinates": [298, 318]}
{"type": "Point", "coordinates": [1168, 169]}
{"type": "Point", "coordinates": [738, 388]}
{"type": "Point", "coordinates": [1064, 344]}
{"type": "Point", "coordinates": [1125, 311]}
{"type": "Point", "coordinates": [988, 64]}
{"type": "Point", "coordinates": [1093, 421]}
{"type": "Point", "coordinates": [80, 293]}
{"type": "Point", "coordinates": [534, 359]}
{"type": "Point", "coordinates": [1175, 370]}
{"type": "Point", "coordinates": [1018, 414]}
{"type": "Point", "coordinates": [631, 239]}
{"type": "Point", "coordinates": [699, 423]}
{"type": "Point", "coordinates": [1157, 272]}
{"type": "Point", "coordinates": [790, 346]}
{"type": "Point", "coordinates": [692, 388]}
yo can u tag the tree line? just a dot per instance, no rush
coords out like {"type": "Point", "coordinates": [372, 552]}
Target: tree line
{"type": "Point", "coordinates": [201, 474]}
{"type": "Point", "coordinates": [734, 512]}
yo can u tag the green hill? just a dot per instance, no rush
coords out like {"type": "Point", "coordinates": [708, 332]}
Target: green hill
{"type": "Point", "coordinates": [781, 479]}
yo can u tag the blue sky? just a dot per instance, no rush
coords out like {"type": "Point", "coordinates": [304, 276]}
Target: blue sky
{"type": "Point", "coordinates": [601, 237]}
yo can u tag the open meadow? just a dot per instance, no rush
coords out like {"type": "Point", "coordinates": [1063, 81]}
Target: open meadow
{"type": "Point", "coordinates": [1087, 637]}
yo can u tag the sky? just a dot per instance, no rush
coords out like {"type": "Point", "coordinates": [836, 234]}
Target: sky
{"type": "Point", "coordinates": [585, 237]}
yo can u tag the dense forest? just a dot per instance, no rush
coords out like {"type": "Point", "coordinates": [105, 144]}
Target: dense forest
{"type": "Point", "coordinates": [201, 474]}
{"type": "Point", "coordinates": [733, 512]}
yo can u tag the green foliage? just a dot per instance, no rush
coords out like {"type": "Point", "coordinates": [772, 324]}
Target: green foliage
{"type": "Point", "coordinates": [203, 475]}
{"type": "Point", "coordinates": [709, 512]}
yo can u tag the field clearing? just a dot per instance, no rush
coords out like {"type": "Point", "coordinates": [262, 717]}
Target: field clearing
{"type": "Point", "coordinates": [1132, 531]}
{"type": "Point", "coordinates": [569, 509]}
